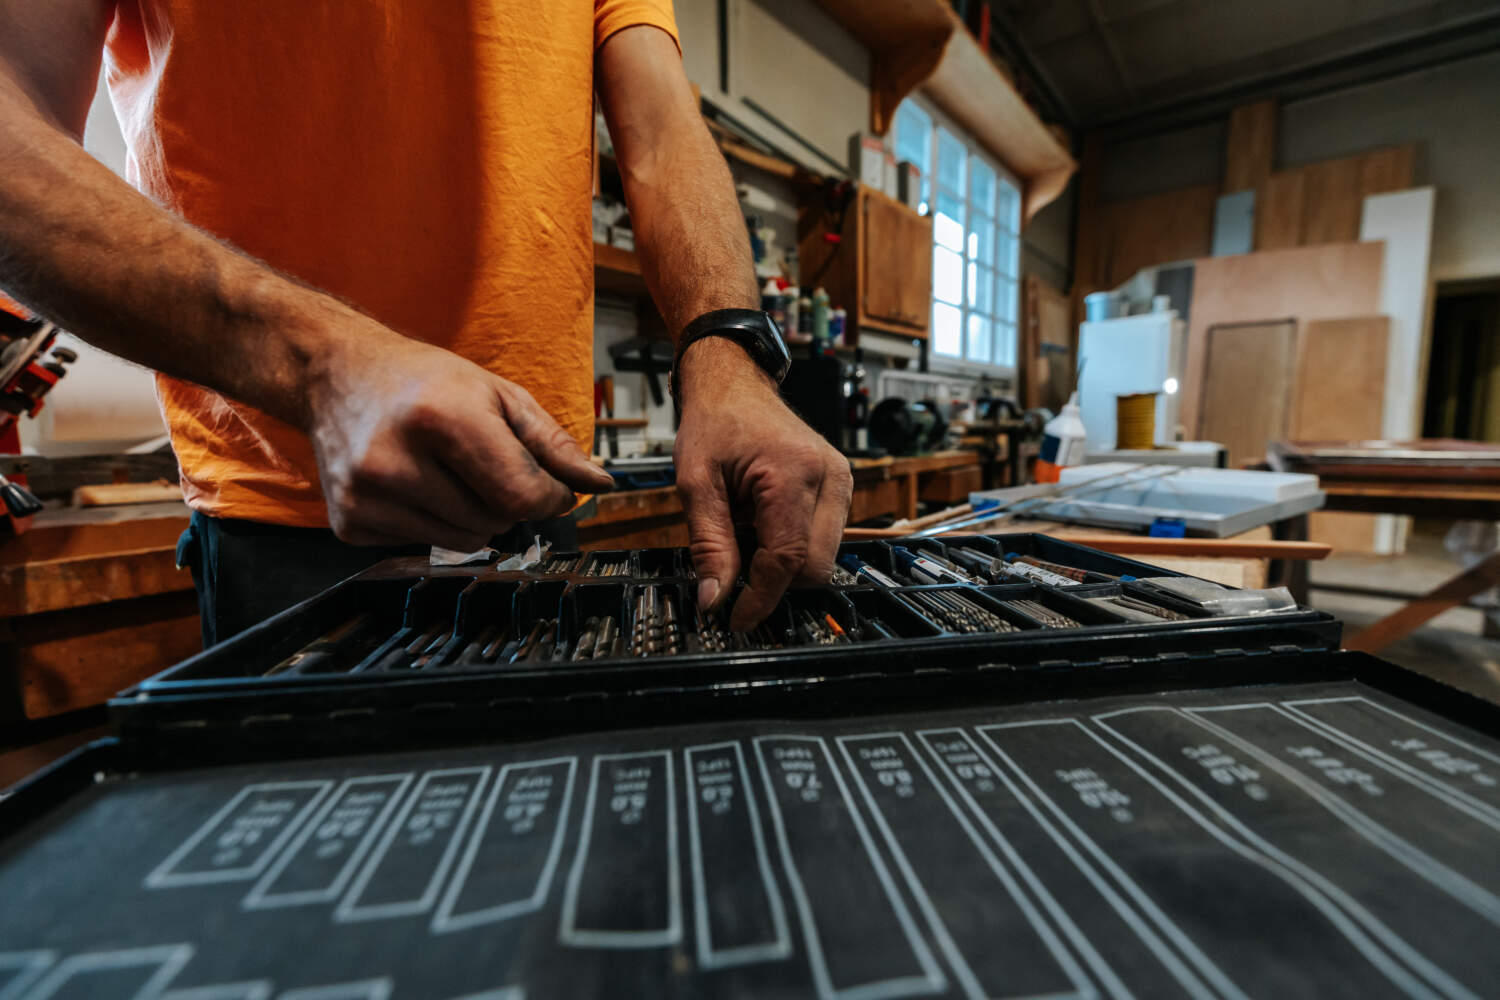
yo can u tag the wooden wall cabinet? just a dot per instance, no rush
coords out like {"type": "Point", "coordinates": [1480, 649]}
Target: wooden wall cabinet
{"type": "Point", "coordinates": [880, 268]}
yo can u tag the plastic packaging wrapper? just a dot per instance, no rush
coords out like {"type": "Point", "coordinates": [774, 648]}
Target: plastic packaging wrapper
{"type": "Point", "coordinates": [1221, 601]}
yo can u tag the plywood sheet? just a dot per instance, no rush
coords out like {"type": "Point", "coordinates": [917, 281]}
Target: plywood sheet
{"type": "Point", "coordinates": [1247, 384]}
{"type": "Point", "coordinates": [1278, 211]}
{"type": "Point", "coordinates": [1332, 201]}
{"type": "Point", "coordinates": [1157, 229]}
{"type": "Point", "coordinates": [1340, 396]}
{"type": "Point", "coordinates": [1251, 146]}
{"type": "Point", "coordinates": [1339, 392]}
{"type": "Point", "coordinates": [1046, 346]}
{"type": "Point", "coordinates": [1304, 283]}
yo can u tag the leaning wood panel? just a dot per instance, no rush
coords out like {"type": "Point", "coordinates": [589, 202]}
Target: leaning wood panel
{"type": "Point", "coordinates": [1157, 229]}
{"type": "Point", "coordinates": [1306, 283]}
{"type": "Point", "coordinates": [1251, 148]}
{"type": "Point", "coordinates": [1278, 211]}
{"type": "Point", "coordinates": [1246, 386]}
{"type": "Point", "coordinates": [1332, 201]}
{"type": "Point", "coordinates": [1340, 396]}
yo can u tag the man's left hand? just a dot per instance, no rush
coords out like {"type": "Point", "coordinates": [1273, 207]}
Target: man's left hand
{"type": "Point", "coordinates": [741, 454]}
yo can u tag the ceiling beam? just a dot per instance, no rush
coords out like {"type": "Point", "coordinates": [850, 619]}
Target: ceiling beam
{"type": "Point", "coordinates": [1096, 15]}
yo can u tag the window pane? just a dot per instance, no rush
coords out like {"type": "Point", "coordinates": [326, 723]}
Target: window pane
{"type": "Point", "coordinates": [981, 186]}
{"type": "Point", "coordinates": [1005, 253]}
{"type": "Point", "coordinates": [947, 330]}
{"type": "Point", "coordinates": [947, 275]}
{"type": "Point", "coordinates": [914, 136]}
{"type": "Point", "coordinates": [951, 155]}
{"type": "Point", "coordinates": [978, 347]}
{"type": "Point", "coordinates": [1005, 344]}
{"type": "Point", "coordinates": [1009, 209]}
{"type": "Point", "coordinates": [948, 223]}
{"type": "Point", "coordinates": [982, 240]}
{"type": "Point", "coordinates": [981, 289]}
{"type": "Point", "coordinates": [1005, 299]}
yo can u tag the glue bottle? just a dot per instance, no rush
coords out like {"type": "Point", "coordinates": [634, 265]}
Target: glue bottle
{"type": "Point", "coordinates": [1062, 442]}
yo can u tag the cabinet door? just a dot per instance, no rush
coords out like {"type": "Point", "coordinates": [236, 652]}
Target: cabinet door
{"type": "Point", "coordinates": [896, 285]}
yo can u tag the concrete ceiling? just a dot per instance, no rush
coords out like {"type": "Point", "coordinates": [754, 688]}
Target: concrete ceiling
{"type": "Point", "coordinates": [1141, 63]}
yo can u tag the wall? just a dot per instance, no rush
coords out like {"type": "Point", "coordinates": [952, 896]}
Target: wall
{"type": "Point", "coordinates": [1452, 111]}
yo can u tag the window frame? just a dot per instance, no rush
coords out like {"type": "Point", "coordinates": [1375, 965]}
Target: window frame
{"type": "Point", "coordinates": [1002, 230]}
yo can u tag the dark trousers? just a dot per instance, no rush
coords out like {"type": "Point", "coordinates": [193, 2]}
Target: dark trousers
{"type": "Point", "coordinates": [246, 571]}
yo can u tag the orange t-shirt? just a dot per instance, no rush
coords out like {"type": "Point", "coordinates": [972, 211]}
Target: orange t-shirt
{"type": "Point", "coordinates": [431, 163]}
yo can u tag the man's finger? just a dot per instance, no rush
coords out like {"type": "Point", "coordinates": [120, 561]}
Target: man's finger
{"type": "Point", "coordinates": [448, 498]}
{"type": "Point", "coordinates": [488, 459]}
{"type": "Point", "coordinates": [828, 521]}
{"type": "Point", "coordinates": [783, 523]}
{"type": "Point", "coordinates": [716, 558]}
{"type": "Point", "coordinates": [553, 448]}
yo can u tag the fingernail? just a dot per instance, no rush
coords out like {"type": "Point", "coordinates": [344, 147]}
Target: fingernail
{"type": "Point", "coordinates": [708, 589]}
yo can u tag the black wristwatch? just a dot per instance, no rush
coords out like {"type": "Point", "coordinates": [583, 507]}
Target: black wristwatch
{"type": "Point", "coordinates": [752, 329]}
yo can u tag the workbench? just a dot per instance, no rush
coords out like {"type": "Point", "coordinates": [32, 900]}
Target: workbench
{"type": "Point", "coordinates": [91, 601]}
{"type": "Point", "coordinates": [883, 487]}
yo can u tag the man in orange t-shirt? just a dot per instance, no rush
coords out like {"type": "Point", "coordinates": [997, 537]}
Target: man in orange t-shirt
{"type": "Point", "coordinates": [359, 255]}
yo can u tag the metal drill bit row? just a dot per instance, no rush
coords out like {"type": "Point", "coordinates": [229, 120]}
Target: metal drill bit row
{"type": "Point", "coordinates": [1127, 603]}
{"type": "Point", "coordinates": [600, 639]}
{"type": "Point", "coordinates": [953, 612]}
{"type": "Point", "coordinates": [559, 564]}
{"type": "Point", "coordinates": [1043, 614]}
{"type": "Point", "coordinates": [656, 630]}
{"type": "Point", "coordinates": [617, 567]}
{"type": "Point", "coordinates": [715, 637]}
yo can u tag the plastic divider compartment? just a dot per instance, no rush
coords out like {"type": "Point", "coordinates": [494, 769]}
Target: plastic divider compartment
{"type": "Point", "coordinates": [655, 564]}
{"type": "Point", "coordinates": [595, 560]}
{"type": "Point", "coordinates": [1054, 599]}
{"type": "Point", "coordinates": [820, 601]}
{"type": "Point", "coordinates": [594, 598]}
{"type": "Point", "coordinates": [485, 614]}
{"type": "Point", "coordinates": [428, 621]}
{"type": "Point", "coordinates": [683, 601]}
{"type": "Point", "coordinates": [877, 553]}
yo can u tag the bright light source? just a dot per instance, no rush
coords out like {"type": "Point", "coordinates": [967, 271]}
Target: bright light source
{"type": "Point", "coordinates": [1169, 386]}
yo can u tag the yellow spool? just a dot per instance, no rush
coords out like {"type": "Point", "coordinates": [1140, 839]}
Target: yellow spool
{"type": "Point", "coordinates": [1135, 421]}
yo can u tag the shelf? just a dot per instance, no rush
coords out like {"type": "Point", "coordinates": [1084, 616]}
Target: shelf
{"type": "Point", "coordinates": [618, 271]}
{"type": "Point", "coordinates": [922, 43]}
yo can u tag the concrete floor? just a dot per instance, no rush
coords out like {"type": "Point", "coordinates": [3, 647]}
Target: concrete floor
{"type": "Point", "coordinates": [1449, 647]}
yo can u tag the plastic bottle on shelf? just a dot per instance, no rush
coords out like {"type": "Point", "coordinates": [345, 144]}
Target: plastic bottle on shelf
{"type": "Point", "coordinates": [820, 315]}
{"type": "Point", "coordinates": [1063, 441]}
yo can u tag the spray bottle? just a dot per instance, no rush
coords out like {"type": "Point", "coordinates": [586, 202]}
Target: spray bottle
{"type": "Point", "coordinates": [1063, 439]}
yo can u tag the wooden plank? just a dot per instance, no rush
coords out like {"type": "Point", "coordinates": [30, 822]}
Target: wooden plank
{"type": "Point", "coordinates": [31, 588]}
{"type": "Point", "coordinates": [121, 494]}
{"type": "Point", "coordinates": [1251, 148]}
{"type": "Point", "coordinates": [1333, 199]}
{"type": "Point", "coordinates": [1391, 169]}
{"type": "Point", "coordinates": [1413, 615]}
{"type": "Point", "coordinates": [1278, 210]}
{"type": "Point", "coordinates": [1307, 283]}
{"type": "Point", "coordinates": [1247, 380]}
{"type": "Point", "coordinates": [66, 660]}
{"type": "Point", "coordinates": [875, 499]}
{"type": "Point", "coordinates": [60, 534]}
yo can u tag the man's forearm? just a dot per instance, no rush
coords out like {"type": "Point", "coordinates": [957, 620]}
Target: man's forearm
{"type": "Point", "coordinates": [690, 233]}
{"type": "Point", "coordinates": [82, 248]}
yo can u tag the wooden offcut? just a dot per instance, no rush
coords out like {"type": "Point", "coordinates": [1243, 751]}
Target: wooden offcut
{"type": "Point", "coordinates": [1251, 149]}
{"type": "Point", "coordinates": [1247, 380]}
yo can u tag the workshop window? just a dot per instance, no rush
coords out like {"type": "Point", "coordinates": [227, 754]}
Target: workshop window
{"type": "Point", "coordinates": [976, 221]}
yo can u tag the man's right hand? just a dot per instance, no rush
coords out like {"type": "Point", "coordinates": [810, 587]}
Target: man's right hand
{"type": "Point", "coordinates": [415, 444]}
